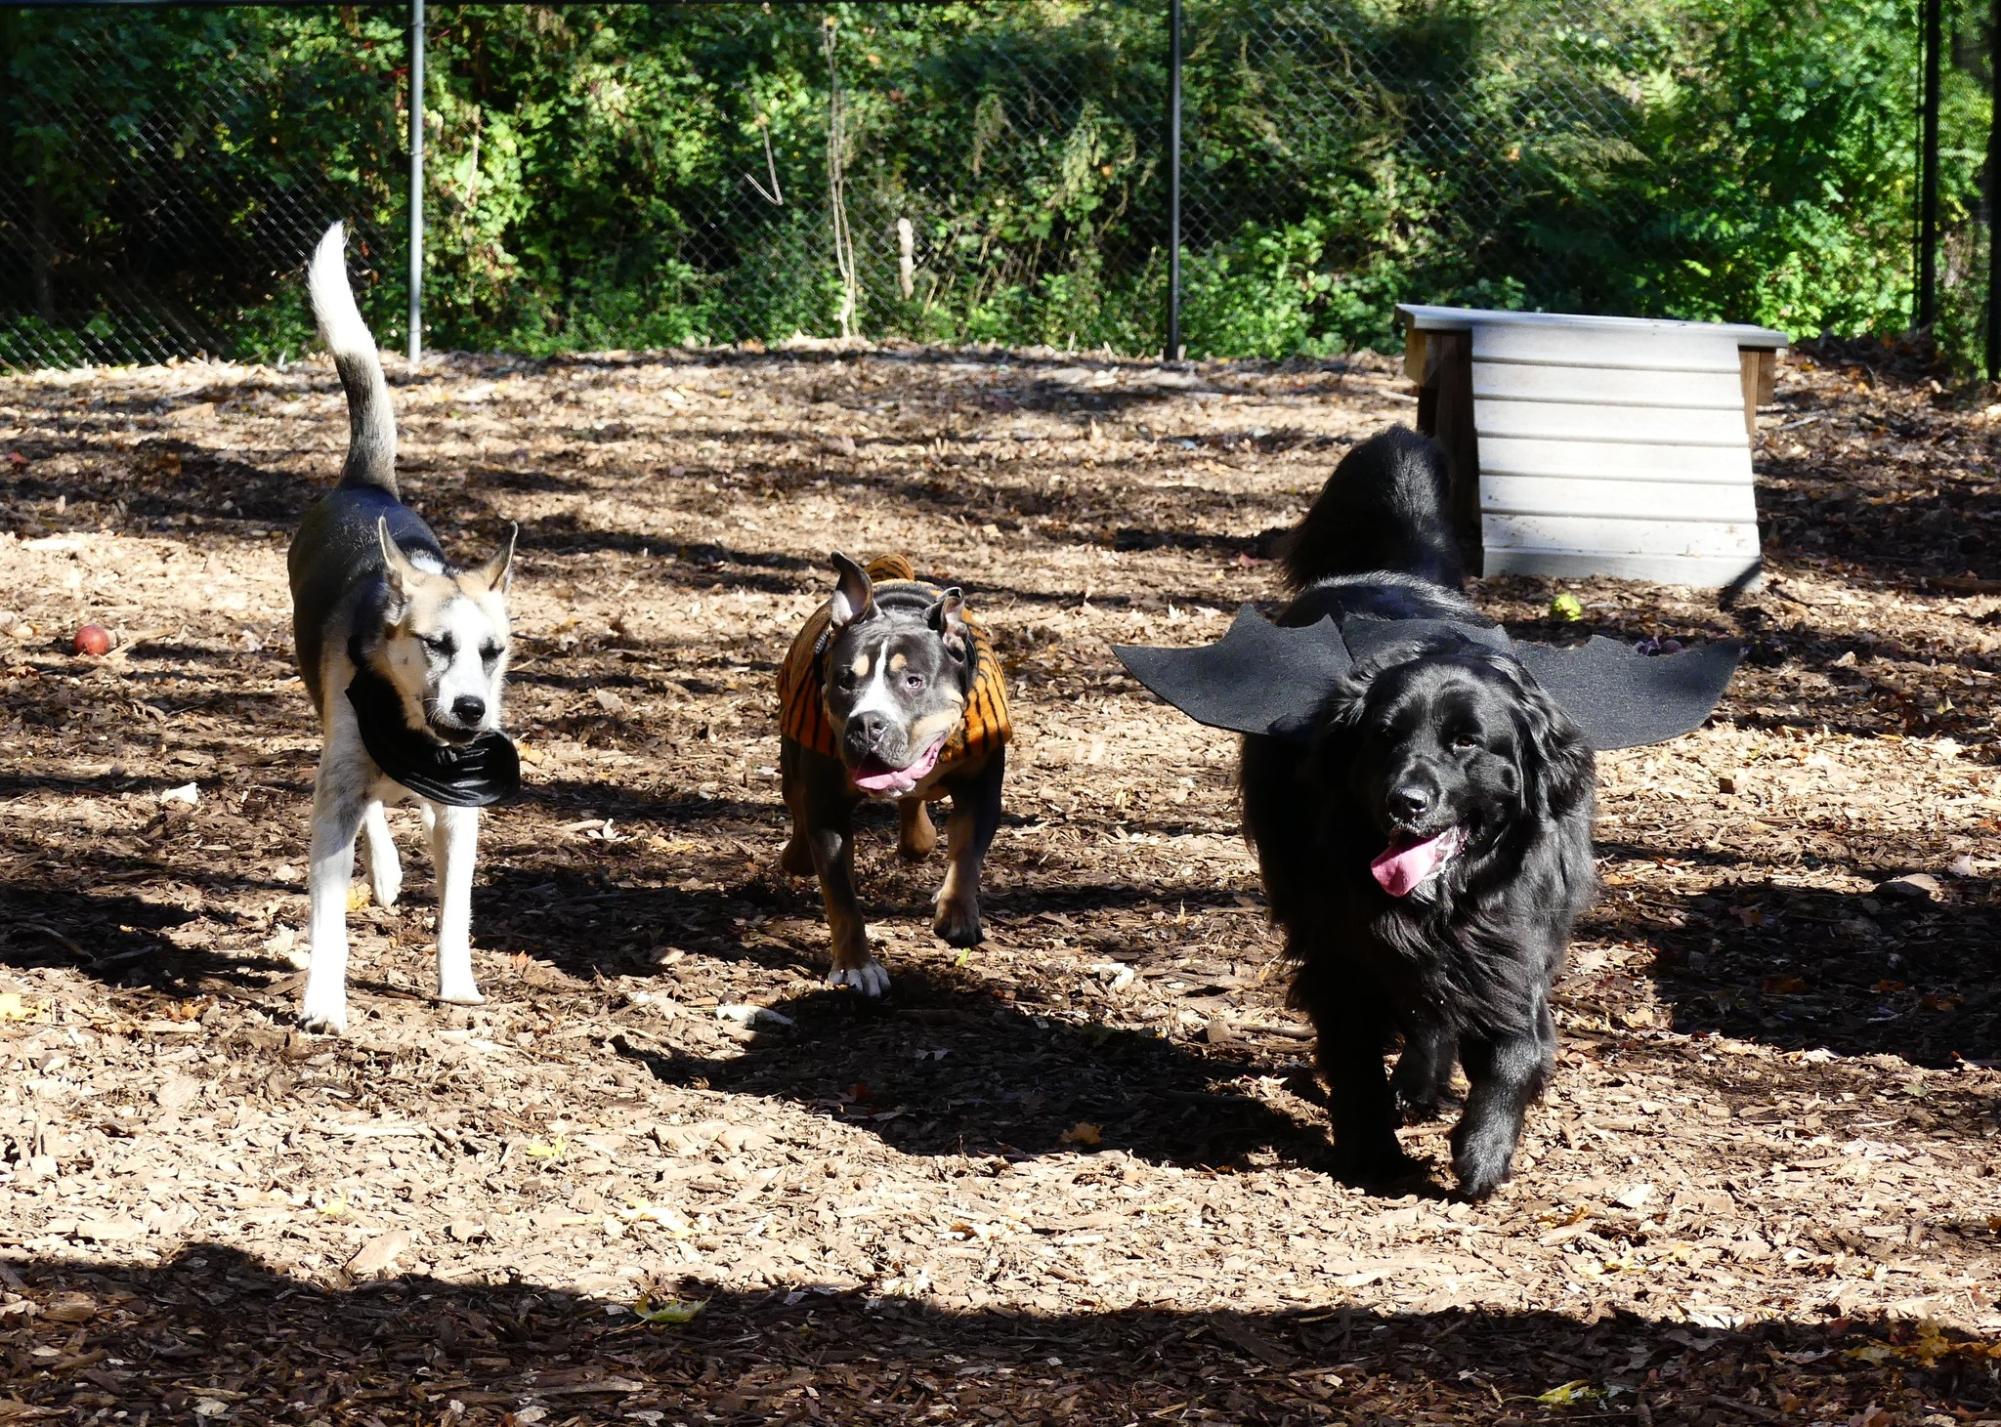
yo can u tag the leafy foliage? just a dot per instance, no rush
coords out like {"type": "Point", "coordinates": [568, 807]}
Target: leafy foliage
{"type": "Point", "coordinates": [640, 176]}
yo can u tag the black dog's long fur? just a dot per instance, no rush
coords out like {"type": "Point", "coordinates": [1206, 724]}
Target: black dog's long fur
{"type": "Point", "coordinates": [1424, 736]}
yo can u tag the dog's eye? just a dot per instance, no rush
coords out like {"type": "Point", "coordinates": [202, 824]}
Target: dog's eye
{"type": "Point", "coordinates": [844, 679]}
{"type": "Point", "coordinates": [440, 645]}
{"type": "Point", "coordinates": [489, 653]}
{"type": "Point", "coordinates": [1463, 742]}
{"type": "Point", "coordinates": [913, 682]}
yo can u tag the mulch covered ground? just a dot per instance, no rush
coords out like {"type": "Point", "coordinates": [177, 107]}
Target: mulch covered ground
{"type": "Point", "coordinates": [1079, 1174]}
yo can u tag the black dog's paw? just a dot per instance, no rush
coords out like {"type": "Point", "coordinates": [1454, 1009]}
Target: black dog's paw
{"type": "Point", "coordinates": [1481, 1160]}
{"type": "Point", "coordinates": [958, 924]}
{"type": "Point", "coordinates": [1416, 1107]}
{"type": "Point", "coordinates": [1376, 1163]}
{"type": "Point", "coordinates": [1422, 1080]}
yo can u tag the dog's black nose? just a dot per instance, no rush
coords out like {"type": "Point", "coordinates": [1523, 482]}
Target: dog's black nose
{"type": "Point", "coordinates": [871, 726]}
{"type": "Point", "coordinates": [1411, 801]}
{"type": "Point", "coordinates": [468, 708]}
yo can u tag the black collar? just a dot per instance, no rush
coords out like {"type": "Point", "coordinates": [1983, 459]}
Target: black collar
{"type": "Point", "coordinates": [466, 775]}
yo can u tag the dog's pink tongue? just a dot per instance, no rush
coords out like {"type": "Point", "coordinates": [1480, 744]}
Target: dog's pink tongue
{"type": "Point", "coordinates": [882, 779]}
{"type": "Point", "coordinates": [1402, 865]}
{"type": "Point", "coordinates": [892, 780]}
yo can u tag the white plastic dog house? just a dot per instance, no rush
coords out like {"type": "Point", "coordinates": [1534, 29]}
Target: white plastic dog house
{"type": "Point", "coordinates": [1596, 445]}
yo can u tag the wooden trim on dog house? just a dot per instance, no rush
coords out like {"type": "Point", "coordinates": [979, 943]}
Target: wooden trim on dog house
{"type": "Point", "coordinates": [1595, 445]}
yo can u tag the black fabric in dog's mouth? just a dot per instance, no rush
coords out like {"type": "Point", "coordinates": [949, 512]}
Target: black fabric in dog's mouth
{"type": "Point", "coordinates": [451, 733]}
{"type": "Point", "coordinates": [474, 773]}
{"type": "Point", "coordinates": [879, 780]}
{"type": "Point", "coordinates": [1410, 860]}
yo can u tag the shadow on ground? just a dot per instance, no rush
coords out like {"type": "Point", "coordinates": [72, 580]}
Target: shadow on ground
{"type": "Point", "coordinates": [952, 1067]}
{"type": "Point", "coordinates": [216, 1335]}
{"type": "Point", "coordinates": [1803, 968]}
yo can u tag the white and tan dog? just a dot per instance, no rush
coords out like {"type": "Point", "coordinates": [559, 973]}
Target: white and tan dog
{"type": "Point", "coordinates": [403, 654]}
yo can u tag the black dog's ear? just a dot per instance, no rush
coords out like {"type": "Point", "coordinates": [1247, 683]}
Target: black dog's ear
{"type": "Point", "coordinates": [854, 593]}
{"type": "Point", "coordinates": [1560, 770]}
{"type": "Point", "coordinates": [945, 616]}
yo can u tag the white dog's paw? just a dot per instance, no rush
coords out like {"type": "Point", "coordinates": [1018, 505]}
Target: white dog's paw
{"type": "Point", "coordinates": [456, 985]}
{"type": "Point", "coordinates": [324, 1013]}
{"type": "Point", "coordinates": [385, 880]}
{"type": "Point", "coordinates": [870, 978]}
{"type": "Point", "coordinates": [460, 993]}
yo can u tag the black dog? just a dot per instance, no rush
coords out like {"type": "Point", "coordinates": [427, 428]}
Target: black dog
{"type": "Point", "coordinates": [1427, 848]}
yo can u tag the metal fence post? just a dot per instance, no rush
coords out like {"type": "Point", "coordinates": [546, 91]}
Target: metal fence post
{"type": "Point", "coordinates": [1173, 352]}
{"type": "Point", "coordinates": [1994, 192]}
{"type": "Point", "coordinates": [1928, 176]}
{"type": "Point", "coordinates": [416, 179]}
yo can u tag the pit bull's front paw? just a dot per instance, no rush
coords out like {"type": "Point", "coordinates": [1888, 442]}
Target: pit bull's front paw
{"type": "Point", "coordinates": [460, 993]}
{"type": "Point", "coordinates": [958, 922]}
{"type": "Point", "coordinates": [324, 1012]}
{"type": "Point", "coordinates": [869, 978]}
{"type": "Point", "coordinates": [797, 858]}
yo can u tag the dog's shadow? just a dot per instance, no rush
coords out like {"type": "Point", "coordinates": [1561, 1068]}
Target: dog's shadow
{"type": "Point", "coordinates": [944, 1066]}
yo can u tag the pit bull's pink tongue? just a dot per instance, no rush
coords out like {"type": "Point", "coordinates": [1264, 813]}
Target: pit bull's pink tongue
{"type": "Point", "coordinates": [898, 780]}
{"type": "Point", "coordinates": [1407, 861]}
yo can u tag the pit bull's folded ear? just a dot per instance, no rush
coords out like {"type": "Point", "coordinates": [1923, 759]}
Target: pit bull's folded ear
{"type": "Point", "coordinates": [854, 593]}
{"type": "Point", "coordinates": [947, 617]}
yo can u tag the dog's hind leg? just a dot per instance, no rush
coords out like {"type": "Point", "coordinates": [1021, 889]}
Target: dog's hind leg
{"type": "Point", "coordinates": [1507, 1073]}
{"type": "Point", "coordinates": [454, 849]}
{"type": "Point", "coordinates": [385, 868]}
{"type": "Point", "coordinates": [976, 812]}
{"type": "Point", "coordinates": [340, 798]}
{"type": "Point", "coordinates": [1422, 1081]}
{"type": "Point", "coordinates": [915, 837]}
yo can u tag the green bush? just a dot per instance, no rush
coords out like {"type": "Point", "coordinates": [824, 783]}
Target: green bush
{"type": "Point", "coordinates": [619, 176]}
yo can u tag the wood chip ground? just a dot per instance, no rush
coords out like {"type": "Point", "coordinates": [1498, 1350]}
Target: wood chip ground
{"type": "Point", "coordinates": [1077, 1175]}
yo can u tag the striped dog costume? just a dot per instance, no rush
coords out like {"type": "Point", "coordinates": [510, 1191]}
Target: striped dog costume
{"type": "Point", "coordinates": [802, 705]}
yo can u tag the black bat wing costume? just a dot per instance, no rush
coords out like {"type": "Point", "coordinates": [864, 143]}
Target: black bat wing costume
{"type": "Point", "coordinates": [1272, 679]}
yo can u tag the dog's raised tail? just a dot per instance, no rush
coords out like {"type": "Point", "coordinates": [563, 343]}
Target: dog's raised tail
{"type": "Point", "coordinates": [371, 443]}
{"type": "Point", "coordinates": [1384, 508]}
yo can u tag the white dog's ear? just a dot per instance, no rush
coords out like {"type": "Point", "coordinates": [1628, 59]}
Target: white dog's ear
{"type": "Point", "coordinates": [498, 571]}
{"type": "Point", "coordinates": [396, 566]}
{"type": "Point", "coordinates": [854, 593]}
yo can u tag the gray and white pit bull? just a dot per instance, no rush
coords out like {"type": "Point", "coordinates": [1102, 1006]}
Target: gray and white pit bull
{"type": "Point", "coordinates": [891, 692]}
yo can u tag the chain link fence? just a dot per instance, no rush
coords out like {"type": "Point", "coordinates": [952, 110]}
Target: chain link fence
{"type": "Point", "coordinates": [155, 195]}
{"type": "Point", "coordinates": [607, 176]}
{"type": "Point", "coordinates": [1967, 318]}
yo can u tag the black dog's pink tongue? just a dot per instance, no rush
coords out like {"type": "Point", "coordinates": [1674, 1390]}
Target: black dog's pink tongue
{"type": "Point", "coordinates": [1408, 861]}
